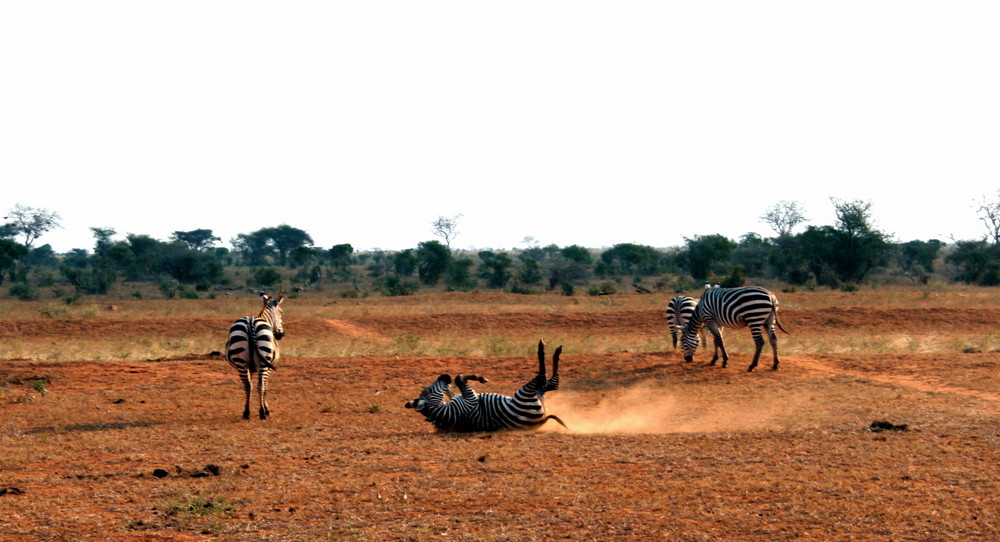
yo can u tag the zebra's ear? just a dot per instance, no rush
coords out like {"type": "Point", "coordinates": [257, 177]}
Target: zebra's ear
{"type": "Point", "coordinates": [281, 297]}
{"type": "Point", "coordinates": [445, 378]}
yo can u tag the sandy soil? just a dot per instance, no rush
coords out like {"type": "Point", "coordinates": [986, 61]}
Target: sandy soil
{"type": "Point", "coordinates": [656, 449]}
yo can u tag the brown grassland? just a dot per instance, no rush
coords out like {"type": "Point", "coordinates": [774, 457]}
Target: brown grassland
{"type": "Point", "coordinates": [121, 422]}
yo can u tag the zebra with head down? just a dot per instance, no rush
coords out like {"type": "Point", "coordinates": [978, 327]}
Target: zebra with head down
{"type": "Point", "coordinates": [752, 307]}
{"type": "Point", "coordinates": [471, 411]}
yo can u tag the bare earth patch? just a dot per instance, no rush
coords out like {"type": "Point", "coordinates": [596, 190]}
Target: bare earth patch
{"type": "Point", "coordinates": [657, 449]}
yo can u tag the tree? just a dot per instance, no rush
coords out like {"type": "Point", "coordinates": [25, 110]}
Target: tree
{"type": "Point", "coordinates": [433, 260]}
{"type": "Point", "coordinates": [783, 217]}
{"type": "Point", "coordinates": [858, 247]}
{"type": "Point", "coordinates": [10, 253]}
{"type": "Point", "coordinates": [196, 239]}
{"type": "Point", "coordinates": [340, 255]}
{"type": "Point", "coordinates": [102, 238]}
{"type": "Point", "coordinates": [752, 253]}
{"type": "Point", "coordinates": [405, 262]}
{"type": "Point", "coordinates": [977, 262]}
{"type": "Point", "coordinates": [459, 276]}
{"type": "Point", "coordinates": [254, 247]}
{"type": "Point", "coordinates": [32, 223]}
{"type": "Point", "coordinates": [707, 252]}
{"type": "Point", "coordinates": [989, 213]}
{"type": "Point", "coordinates": [286, 239]}
{"type": "Point", "coordinates": [916, 258]}
{"type": "Point", "coordinates": [446, 228]}
{"type": "Point", "coordinates": [631, 258]}
{"type": "Point", "coordinates": [189, 266]}
{"type": "Point", "coordinates": [495, 268]}
{"type": "Point", "coordinates": [576, 254]}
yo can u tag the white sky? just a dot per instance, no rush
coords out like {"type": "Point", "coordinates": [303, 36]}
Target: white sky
{"type": "Point", "coordinates": [589, 123]}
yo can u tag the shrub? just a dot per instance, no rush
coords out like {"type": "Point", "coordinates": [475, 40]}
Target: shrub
{"type": "Point", "coordinates": [267, 276]}
{"type": "Point", "coordinates": [24, 292]}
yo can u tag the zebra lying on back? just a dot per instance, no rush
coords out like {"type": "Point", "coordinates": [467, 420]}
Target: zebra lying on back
{"type": "Point", "coordinates": [471, 411]}
{"type": "Point", "coordinates": [679, 310]}
{"type": "Point", "coordinates": [751, 307]}
{"type": "Point", "coordinates": [253, 348]}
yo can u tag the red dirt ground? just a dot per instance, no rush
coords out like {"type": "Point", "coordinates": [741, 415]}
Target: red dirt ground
{"type": "Point", "coordinates": [656, 449]}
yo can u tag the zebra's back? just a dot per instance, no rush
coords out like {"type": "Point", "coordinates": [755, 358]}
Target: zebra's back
{"type": "Point", "coordinates": [738, 307]}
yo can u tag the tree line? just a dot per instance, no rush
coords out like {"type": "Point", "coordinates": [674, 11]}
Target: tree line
{"type": "Point", "coordinates": [845, 255]}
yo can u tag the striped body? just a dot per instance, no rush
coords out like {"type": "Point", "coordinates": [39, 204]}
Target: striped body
{"type": "Point", "coordinates": [679, 311]}
{"type": "Point", "coordinates": [252, 349]}
{"type": "Point", "coordinates": [751, 307]}
{"type": "Point", "coordinates": [471, 411]}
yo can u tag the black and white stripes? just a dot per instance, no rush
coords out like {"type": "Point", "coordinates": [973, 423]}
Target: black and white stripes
{"type": "Point", "coordinates": [679, 311]}
{"type": "Point", "coordinates": [752, 307]}
{"type": "Point", "coordinates": [253, 349]}
{"type": "Point", "coordinates": [471, 411]}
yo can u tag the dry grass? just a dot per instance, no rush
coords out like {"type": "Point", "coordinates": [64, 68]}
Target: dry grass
{"type": "Point", "coordinates": [657, 448]}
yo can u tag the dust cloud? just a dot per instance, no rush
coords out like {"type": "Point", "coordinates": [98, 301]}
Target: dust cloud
{"type": "Point", "coordinates": [647, 408]}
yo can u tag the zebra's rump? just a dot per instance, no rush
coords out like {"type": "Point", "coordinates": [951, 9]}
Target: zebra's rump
{"type": "Point", "coordinates": [246, 335]}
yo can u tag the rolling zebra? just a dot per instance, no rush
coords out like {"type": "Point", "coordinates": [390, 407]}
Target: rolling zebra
{"type": "Point", "coordinates": [679, 310]}
{"type": "Point", "coordinates": [253, 349]}
{"type": "Point", "coordinates": [751, 307]}
{"type": "Point", "coordinates": [471, 411]}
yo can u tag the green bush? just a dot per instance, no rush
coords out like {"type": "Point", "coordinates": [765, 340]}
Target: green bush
{"type": "Point", "coordinates": [24, 292]}
{"type": "Point", "coordinates": [266, 276]}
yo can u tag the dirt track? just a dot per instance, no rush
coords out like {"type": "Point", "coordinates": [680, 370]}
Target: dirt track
{"type": "Point", "coordinates": [657, 449]}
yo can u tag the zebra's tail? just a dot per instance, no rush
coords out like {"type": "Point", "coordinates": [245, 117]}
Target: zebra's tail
{"type": "Point", "coordinates": [554, 417]}
{"type": "Point", "coordinates": [778, 322]}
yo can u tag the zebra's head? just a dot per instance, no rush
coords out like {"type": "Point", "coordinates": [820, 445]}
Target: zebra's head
{"type": "Point", "coordinates": [689, 335]}
{"type": "Point", "coordinates": [432, 395]}
{"type": "Point", "coordinates": [272, 312]}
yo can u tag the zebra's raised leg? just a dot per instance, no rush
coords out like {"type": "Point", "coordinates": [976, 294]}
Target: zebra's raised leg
{"type": "Point", "coordinates": [461, 382]}
{"type": "Point", "coordinates": [553, 383]}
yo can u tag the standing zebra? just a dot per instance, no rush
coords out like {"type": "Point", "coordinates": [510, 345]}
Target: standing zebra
{"type": "Point", "coordinates": [473, 411]}
{"type": "Point", "coordinates": [751, 307]}
{"type": "Point", "coordinates": [253, 348]}
{"type": "Point", "coordinates": [679, 310]}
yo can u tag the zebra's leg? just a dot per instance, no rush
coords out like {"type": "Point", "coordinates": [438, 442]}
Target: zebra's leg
{"type": "Point", "coordinates": [263, 376]}
{"type": "Point", "coordinates": [539, 379]}
{"type": "Point", "coordinates": [553, 383]}
{"type": "Point", "coordinates": [720, 346]}
{"type": "Point", "coordinates": [758, 341]}
{"type": "Point", "coordinates": [462, 383]}
{"type": "Point", "coordinates": [673, 337]}
{"type": "Point", "coordinates": [247, 390]}
{"type": "Point", "coordinates": [774, 346]}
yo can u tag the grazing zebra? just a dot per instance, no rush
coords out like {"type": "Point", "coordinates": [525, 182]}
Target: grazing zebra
{"type": "Point", "coordinates": [679, 310]}
{"type": "Point", "coordinates": [253, 348]}
{"type": "Point", "coordinates": [471, 411]}
{"type": "Point", "coordinates": [751, 307]}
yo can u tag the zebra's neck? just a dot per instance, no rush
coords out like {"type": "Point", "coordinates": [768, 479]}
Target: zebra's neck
{"type": "Point", "coordinates": [267, 313]}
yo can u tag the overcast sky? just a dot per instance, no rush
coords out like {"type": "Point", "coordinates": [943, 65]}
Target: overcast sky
{"type": "Point", "coordinates": [589, 123]}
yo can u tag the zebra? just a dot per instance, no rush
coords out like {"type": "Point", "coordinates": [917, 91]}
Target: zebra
{"type": "Point", "coordinates": [679, 310]}
{"type": "Point", "coordinates": [752, 307]}
{"type": "Point", "coordinates": [253, 348]}
{"type": "Point", "coordinates": [470, 411]}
